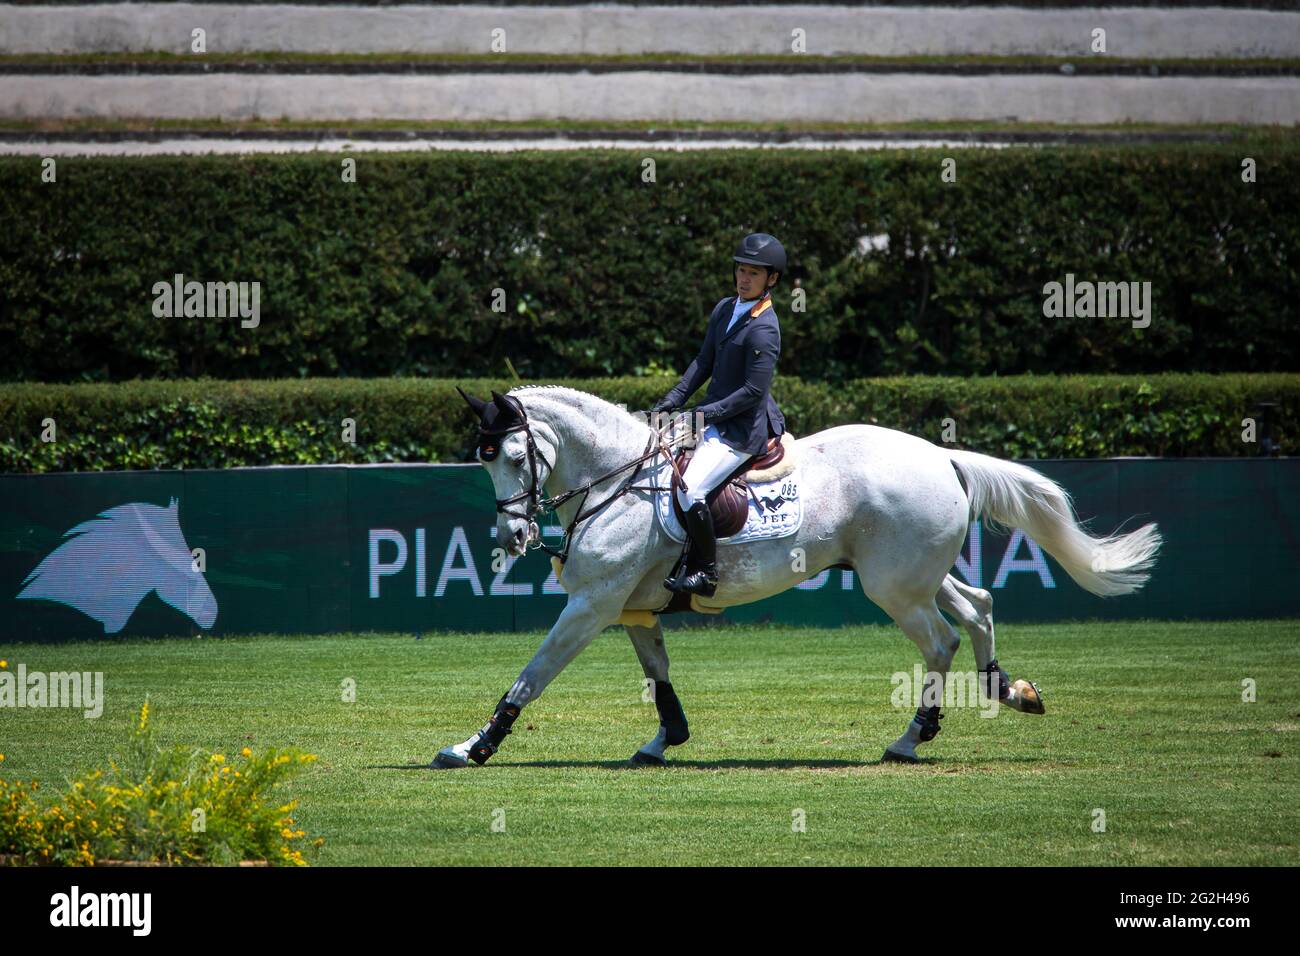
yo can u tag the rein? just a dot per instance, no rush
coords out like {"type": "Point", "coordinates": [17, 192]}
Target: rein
{"type": "Point", "coordinates": [538, 504]}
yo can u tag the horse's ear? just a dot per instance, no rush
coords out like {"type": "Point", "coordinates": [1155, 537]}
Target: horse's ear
{"type": "Point", "coordinates": [477, 404]}
{"type": "Point", "coordinates": [507, 409]}
{"type": "Point", "coordinates": [172, 505]}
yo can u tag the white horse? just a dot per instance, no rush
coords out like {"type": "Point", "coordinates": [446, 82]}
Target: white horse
{"type": "Point", "coordinates": [887, 504]}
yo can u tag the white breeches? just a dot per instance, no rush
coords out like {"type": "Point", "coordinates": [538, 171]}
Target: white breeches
{"type": "Point", "coordinates": [712, 462]}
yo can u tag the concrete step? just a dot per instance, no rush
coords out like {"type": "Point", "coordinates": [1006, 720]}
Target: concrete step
{"type": "Point", "coordinates": [649, 95]}
{"type": "Point", "coordinates": [607, 29]}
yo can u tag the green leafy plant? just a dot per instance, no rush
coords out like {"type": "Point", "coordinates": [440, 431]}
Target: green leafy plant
{"type": "Point", "coordinates": [397, 274]}
{"type": "Point", "coordinates": [156, 804]}
{"type": "Point", "coordinates": [215, 424]}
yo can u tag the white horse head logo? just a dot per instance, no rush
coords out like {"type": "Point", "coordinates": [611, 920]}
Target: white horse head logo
{"type": "Point", "coordinates": [106, 566]}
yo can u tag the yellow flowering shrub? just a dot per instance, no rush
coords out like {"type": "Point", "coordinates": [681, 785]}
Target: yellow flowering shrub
{"type": "Point", "coordinates": [170, 805]}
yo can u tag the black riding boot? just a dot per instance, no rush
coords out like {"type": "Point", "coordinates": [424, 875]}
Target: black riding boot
{"type": "Point", "coordinates": [701, 574]}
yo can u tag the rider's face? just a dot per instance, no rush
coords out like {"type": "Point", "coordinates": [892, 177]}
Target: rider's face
{"type": "Point", "coordinates": [751, 281]}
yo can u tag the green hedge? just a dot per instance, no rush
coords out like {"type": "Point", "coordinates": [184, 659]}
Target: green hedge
{"type": "Point", "coordinates": [607, 275]}
{"type": "Point", "coordinates": [214, 424]}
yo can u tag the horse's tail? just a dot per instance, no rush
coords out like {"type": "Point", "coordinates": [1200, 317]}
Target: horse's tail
{"type": "Point", "coordinates": [1019, 497]}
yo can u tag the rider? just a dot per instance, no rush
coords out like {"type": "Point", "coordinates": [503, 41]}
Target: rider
{"type": "Point", "coordinates": [741, 346]}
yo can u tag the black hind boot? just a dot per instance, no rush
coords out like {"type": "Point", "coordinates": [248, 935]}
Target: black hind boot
{"type": "Point", "coordinates": [701, 574]}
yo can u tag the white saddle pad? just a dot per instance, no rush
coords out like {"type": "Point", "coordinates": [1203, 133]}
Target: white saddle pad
{"type": "Point", "coordinates": [778, 512]}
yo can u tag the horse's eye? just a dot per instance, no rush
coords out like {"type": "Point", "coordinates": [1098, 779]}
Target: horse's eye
{"type": "Point", "coordinates": [517, 462]}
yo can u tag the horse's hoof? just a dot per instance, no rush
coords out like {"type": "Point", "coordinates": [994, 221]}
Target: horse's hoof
{"type": "Point", "coordinates": [894, 757]}
{"type": "Point", "coordinates": [446, 760]}
{"type": "Point", "coordinates": [1029, 697]}
{"type": "Point", "coordinates": [643, 759]}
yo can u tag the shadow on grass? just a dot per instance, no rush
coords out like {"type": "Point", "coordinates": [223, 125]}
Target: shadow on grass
{"type": "Point", "coordinates": [738, 764]}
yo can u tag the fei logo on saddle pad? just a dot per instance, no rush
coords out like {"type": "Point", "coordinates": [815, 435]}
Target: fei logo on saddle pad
{"type": "Point", "coordinates": [775, 510]}
{"type": "Point", "coordinates": [106, 566]}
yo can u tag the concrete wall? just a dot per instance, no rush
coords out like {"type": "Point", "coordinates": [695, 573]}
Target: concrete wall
{"type": "Point", "coordinates": [640, 95]}
{"type": "Point", "coordinates": [610, 29]}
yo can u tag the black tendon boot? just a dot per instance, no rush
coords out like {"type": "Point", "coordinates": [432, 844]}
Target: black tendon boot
{"type": "Point", "coordinates": [671, 716]}
{"type": "Point", "coordinates": [701, 574]}
{"type": "Point", "coordinates": [493, 732]}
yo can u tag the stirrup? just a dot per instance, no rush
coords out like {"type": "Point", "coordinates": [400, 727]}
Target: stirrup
{"type": "Point", "coordinates": [700, 581]}
{"type": "Point", "coordinates": [684, 566]}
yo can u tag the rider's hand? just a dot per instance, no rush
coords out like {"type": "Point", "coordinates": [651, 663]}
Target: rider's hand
{"type": "Point", "coordinates": [663, 405]}
{"type": "Point", "coordinates": [684, 421]}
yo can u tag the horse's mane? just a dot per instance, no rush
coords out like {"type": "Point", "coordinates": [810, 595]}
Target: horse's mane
{"type": "Point", "coordinates": [566, 388]}
{"type": "Point", "coordinates": [575, 391]}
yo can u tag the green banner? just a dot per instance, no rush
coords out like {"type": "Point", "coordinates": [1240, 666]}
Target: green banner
{"type": "Point", "coordinates": [408, 548]}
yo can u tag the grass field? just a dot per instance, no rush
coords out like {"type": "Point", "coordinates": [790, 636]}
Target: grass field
{"type": "Point", "coordinates": [1144, 721]}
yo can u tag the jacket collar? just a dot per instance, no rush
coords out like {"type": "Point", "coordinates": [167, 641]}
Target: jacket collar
{"type": "Point", "coordinates": [758, 308]}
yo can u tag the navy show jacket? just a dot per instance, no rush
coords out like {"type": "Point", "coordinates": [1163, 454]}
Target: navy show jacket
{"type": "Point", "coordinates": [742, 361]}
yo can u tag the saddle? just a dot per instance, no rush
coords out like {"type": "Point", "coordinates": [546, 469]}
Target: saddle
{"type": "Point", "coordinates": [729, 502]}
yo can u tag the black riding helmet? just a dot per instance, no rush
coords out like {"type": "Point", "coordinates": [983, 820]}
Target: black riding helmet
{"type": "Point", "coordinates": [760, 249]}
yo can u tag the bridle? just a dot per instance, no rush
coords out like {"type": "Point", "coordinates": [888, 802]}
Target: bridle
{"type": "Point", "coordinates": [538, 504]}
{"type": "Point", "coordinates": [534, 491]}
